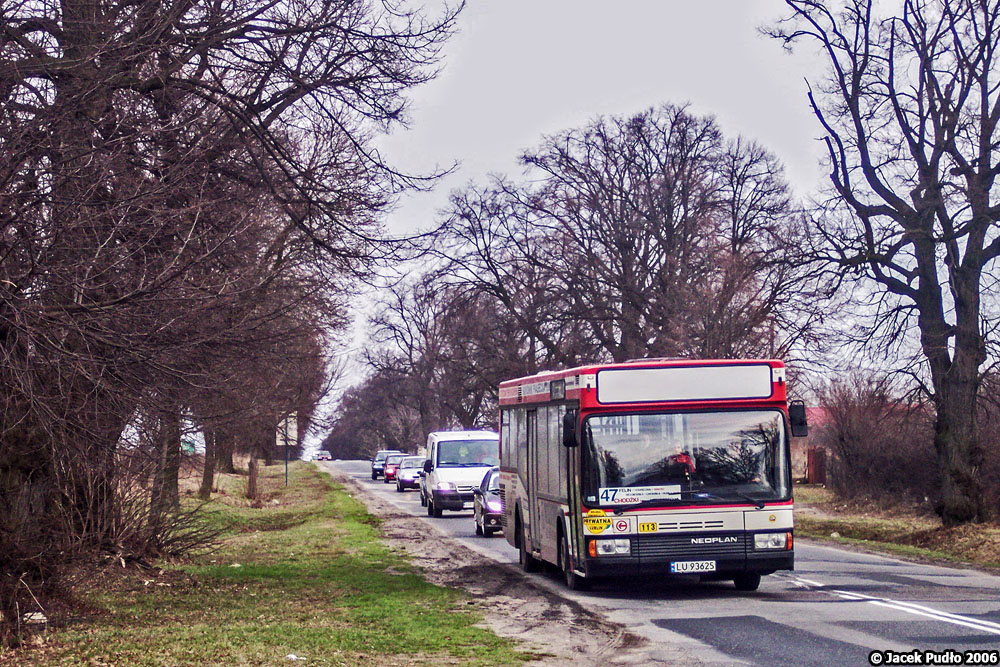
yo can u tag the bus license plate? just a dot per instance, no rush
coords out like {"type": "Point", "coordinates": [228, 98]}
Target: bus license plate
{"type": "Point", "coordinates": [689, 566]}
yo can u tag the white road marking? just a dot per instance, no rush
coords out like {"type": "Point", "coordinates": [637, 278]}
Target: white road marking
{"type": "Point", "coordinates": [809, 582]}
{"type": "Point", "coordinates": [911, 608]}
{"type": "Point", "coordinates": [920, 610]}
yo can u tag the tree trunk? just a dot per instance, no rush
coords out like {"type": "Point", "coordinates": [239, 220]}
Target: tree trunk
{"type": "Point", "coordinates": [957, 446]}
{"type": "Point", "coordinates": [165, 495]}
{"type": "Point", "coordinates": [208, 475]}
{"type": "Point", "coordinates": [225, 442]}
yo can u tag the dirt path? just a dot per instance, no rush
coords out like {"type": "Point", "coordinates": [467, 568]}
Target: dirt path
{"type": "Point", "coordinates": [558, 630]}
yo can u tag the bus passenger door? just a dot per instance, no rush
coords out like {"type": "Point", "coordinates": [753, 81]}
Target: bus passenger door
{"type": "Point", "coordinates": [531, 521]}
{"type": "Point", "coordinates": [575, 537]}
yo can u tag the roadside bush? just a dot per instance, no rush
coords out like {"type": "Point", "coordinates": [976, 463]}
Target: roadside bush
{"type": "Point", "coordinates": [882, 448]}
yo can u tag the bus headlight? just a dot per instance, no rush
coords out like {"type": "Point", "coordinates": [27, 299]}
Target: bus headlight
{"type": "Point", "coordinates": [612, 547]}
{"type": "Point", "coordinates": [763, 541]}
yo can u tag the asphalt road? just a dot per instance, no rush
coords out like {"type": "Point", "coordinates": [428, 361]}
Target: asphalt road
{"type": "Point", "coordinates": [835, 608]}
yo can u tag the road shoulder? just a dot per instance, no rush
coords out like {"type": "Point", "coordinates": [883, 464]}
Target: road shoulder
{"type": "Point", "coordinates": [558, 630]}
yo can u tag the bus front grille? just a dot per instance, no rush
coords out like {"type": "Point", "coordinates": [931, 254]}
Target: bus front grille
{"type": "Point", "coordinates": [701, 545]}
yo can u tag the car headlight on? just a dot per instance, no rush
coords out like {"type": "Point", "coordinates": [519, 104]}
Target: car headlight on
{"type": "Point", "coordinates": [494, 506]}
{"type": "Point", "coordinates": [612, 547]}
{"type": "Point", "coordinates": [764, 541]}
{"type": "Point", "coordinates": [445, 486]}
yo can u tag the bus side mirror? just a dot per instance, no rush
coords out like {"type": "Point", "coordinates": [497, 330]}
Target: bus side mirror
{"type": "Point", "coordinates": [427, 465]}
{"type": "Point", "coordinates": [569, 429]}
{"type": "Point", "coordinates": [797, 419]}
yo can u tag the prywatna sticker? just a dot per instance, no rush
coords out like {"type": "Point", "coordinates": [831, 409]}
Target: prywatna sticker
{"type": "Point", "coordinates": [596, 521]}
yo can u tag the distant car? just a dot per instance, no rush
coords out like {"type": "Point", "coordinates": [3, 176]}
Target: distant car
{"type": "Point", "coordinates": [378, 461]}
{"type": "Point", "coordinates": [391, 464]}
{"type": "Point", "coordinates": [486, 507]}
{"type": "Point", "coordinates": [323, 455]}
{"type": "Point", "coordinates": [408, 473]}
{"type": "Point", "coordinates": [456, 463]}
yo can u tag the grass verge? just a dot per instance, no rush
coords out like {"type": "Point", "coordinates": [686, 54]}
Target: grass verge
{"type": "Point", "coordinates": [898, 532]}
{"type": "Point", "coordinates": [305, 575]}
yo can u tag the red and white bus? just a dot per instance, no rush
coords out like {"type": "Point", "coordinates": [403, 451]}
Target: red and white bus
{"type": "Point", "coordinates": [651, 467]}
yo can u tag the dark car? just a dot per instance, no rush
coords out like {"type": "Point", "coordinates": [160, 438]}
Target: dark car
{"type": "Point", "coordinates": [378, 461]}
{"type": "Point", "coordinates": [391, 464]}
{"type": "Point", "coordinates": [408, 473]}
{"type": "Point", "coordinates": [486, 506]}
{"type": "Point", "coordinates": [422, 488]}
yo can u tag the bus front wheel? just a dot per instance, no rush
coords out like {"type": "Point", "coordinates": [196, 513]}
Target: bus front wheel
{"type": "Point", "coordinates": [574, 582]}
{"type": "Point", "coordinates": [747, 581]}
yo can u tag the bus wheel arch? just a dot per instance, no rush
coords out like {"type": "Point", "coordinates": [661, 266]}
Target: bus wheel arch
{"type": "Point", "coordinates": [528, 562]}
{"type": "Point", "coordinates": [574, 582]}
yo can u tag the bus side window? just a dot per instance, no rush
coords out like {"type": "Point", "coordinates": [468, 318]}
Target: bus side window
{"type": "Point", "coordinates": [521, 440]}
{"type": "Point", "coordinates": [542, 447]}
{"type": "Point", "coordinates": [505, 437]}
{"type": "Point", "coordinates": [563, 453]}
{"type": "Point", "coordinates": [556, 452]}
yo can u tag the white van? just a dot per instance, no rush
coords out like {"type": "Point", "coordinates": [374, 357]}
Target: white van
{"type": "Point", "coordinates": [456, 463]}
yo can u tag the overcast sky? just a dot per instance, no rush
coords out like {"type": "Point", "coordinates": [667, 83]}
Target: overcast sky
{"type": "Point", "coordinates": [520, 69]}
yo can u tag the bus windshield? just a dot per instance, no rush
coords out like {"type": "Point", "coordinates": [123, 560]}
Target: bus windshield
{"type": "Point", "coordinates": [685, 457]}
{"type": "Point", "coordinates": [468, 453]}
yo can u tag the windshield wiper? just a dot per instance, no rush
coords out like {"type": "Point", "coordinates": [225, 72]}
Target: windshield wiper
{"type": "Point", "coordinates": [734, 495]}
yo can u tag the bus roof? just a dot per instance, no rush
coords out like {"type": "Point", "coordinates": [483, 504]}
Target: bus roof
{"type": "Point", "coordinates": [645, 381]}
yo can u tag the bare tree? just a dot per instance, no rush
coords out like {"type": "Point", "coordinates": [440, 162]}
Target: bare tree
{"type": "Point", "coordinates": [647, 235]}
{"type": "Point", "coordinates": [169, 175]}
{"type": "Point", "coordinates": [490, 245]}
{"type": "Point", "coordinates": [450, 348]}
{"type": "Point", "coordinates": [910, 108]}
{"type": "Point", "coordinates": [629, 203]}
{"type": "Point", "coordinates": [372, 417]}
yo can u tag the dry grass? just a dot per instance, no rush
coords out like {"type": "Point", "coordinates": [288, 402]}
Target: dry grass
{"type": "Point", "coordinates": [904, 530]}
{"type": "Point", "coordinates": [306, 574]}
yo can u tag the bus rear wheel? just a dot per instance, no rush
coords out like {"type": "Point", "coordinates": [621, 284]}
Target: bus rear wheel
{"type": "Point", "coordinates": [747, 581]}
{"type": "Point", "coordinates": [524, 557]}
